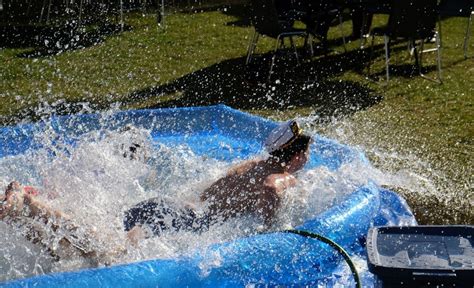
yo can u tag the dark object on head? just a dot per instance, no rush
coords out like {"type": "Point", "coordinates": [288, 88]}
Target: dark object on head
{"type": "Point", "coordinates": [132, 152]}
{"type": "Point", "coordinates": [298, 145]}
{"type": "Point", "coordinates": [285, 141]}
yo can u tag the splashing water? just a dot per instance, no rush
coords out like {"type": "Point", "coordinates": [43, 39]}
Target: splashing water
{"type": "Point", "coordinates": [439, 191]}
{"type": "Point", "coordinates": [96, 179]}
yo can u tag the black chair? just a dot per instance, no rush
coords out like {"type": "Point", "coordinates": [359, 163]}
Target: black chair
{"type": "Point", "coordinates": [267, 22]}
{"type": "Point", "coordinates": [458, 8]}
{"type": "Point", "coordinates": [319, 15]}
{"type": "Point", "coordinates": [415, 22]}
{"type": "Point", "coordinates": [368, 9]}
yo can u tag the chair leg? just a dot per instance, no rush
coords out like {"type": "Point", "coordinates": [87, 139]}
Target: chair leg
{"type": "Point", "coordinates": [282, 43]}
{"type": "Point", "coordinates": [251, 48]}
{"type": "Point", "coordinates": [292, 43]}
{"type": "Point", "coordinates": [363, 39]}
{"type": "Point", "coordinates": [386, 40]}
{"type": "Point", "coordinates": [309, 40]}
{"type": "Point", "coordinates": [468, 34]}
{"type": "Point", "coordinates": [43, 7]}
{"type": "Point", "coordinates": [438, 60]}
{"type": "Point", "coordinates": [273, 58]}
{"type": "Point", "coordinates": [80, 12]}
{"type": "Point", "coordinates": [439, 30]}
{"type": "Point", "coordinates": [411, 47]}
{"type": "Point", "coordinates": [48, 14]}
{"type": "Point", "coordinates": [419, 56]}
{"type": "Point", "coordinates": [438, 45]}
{"type": "Point", "coordinates": [122, 23]}
{"type": "Point", "coordinates": [342, 32]}
{"type": "Point", "coordinates": [28, 8]}
{"type": "Point", "coordinates": [371, 55]}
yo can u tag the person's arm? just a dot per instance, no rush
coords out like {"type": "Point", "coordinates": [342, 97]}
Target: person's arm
{"type": "Point", "coordinates": [18, 207]}
{"type": "Point", "coordinates": [281, 181]}
{"type": "Point", "coordinates": [273, 190]}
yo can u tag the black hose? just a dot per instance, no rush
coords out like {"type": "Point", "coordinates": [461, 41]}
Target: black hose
{"type": "Point", "coordinates": [333, 244]}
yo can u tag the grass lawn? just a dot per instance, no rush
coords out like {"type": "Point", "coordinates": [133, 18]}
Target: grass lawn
{"type": "Point", "coordinates": [199, 58]}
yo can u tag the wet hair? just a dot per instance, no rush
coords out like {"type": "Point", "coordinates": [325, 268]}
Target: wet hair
{"type": "Point", "coordinates": [284, 155]}
{"type": "Point", "coordinates": [133, 151]}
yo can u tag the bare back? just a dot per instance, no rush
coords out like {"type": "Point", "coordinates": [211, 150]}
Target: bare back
{"type": "Point", "coordinates": [248, 188]}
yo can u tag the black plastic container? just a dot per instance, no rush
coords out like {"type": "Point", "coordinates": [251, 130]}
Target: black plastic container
{"type": "Point", "coordinates": [422, 256]}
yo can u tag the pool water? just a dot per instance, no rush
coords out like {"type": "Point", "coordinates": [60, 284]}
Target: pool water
{"type": "Point", "coordinates": [92, 177]}
{"type": "Point", "coordinates": [94, 183]}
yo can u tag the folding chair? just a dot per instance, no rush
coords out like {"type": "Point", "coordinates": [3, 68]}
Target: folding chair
{"type": "Point", "coordinates": [414, 21]}
{"type": "Point", "coordinates": [266, 22]}
{"type": "Point", "coordinates": [370, 8]}
{"type": "Point", "coordinates": [318, 16]}
{"type": "Point", "coordinates": [458, 8]}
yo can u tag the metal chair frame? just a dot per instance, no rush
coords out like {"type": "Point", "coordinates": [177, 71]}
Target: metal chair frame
{"type": "Point", "coordinates": [337, 12]}
{"type": "Point", "coordinates": [279, 43]}
{"type": "Point", "coordinates": [341, 29]}
{"type": "Point", "coordinates": [279, 36]}
{"type": "Point", "coordinates": [378, 8]}
{"type": "Point", "coordinates": [468, 28]}
{"type": "Point", "coordinates": [413, 44]}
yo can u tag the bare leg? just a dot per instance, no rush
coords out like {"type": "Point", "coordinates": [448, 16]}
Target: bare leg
{"type": "Point", "coordinates": [49, 227]}
{"type": "Point", "coordinates": [17, 203]}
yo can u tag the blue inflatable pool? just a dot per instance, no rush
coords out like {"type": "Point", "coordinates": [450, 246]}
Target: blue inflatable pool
{"type": "Point", "coordinates": [266, 259]}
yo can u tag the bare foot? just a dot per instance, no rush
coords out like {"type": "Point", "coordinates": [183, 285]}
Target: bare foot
{"type": "Point", "coordinates": [13, 201]}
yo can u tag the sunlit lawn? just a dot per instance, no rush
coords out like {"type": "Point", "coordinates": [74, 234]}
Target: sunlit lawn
{"type": "Point", "coordinates": [147, 66]}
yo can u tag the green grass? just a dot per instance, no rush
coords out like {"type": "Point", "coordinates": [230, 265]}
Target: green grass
{"type": "Point", "coordinates": [199, 60]}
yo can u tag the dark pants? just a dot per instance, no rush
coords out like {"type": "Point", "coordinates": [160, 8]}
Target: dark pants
{"type": "Point", "coordinates": [159, 216]}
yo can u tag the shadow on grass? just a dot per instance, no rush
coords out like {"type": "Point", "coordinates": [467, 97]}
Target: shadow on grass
{"type": "Point", "coordinates": [402, 70]}
{"type": "Point", "coordinates": [235, 84]}
{"type": "Point", "coordinates": [308, 85]}
{"type": "Point", "coordinates": [311, 84]}
{"type": "Point", "coordinates": [52, 40]}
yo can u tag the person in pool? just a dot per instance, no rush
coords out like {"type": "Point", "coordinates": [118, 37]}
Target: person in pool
{"type": "Point", "coordinates": [252, 187]}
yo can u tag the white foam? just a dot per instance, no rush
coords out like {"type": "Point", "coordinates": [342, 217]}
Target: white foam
{"type": "Point", "coordinates": [95, 184]}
